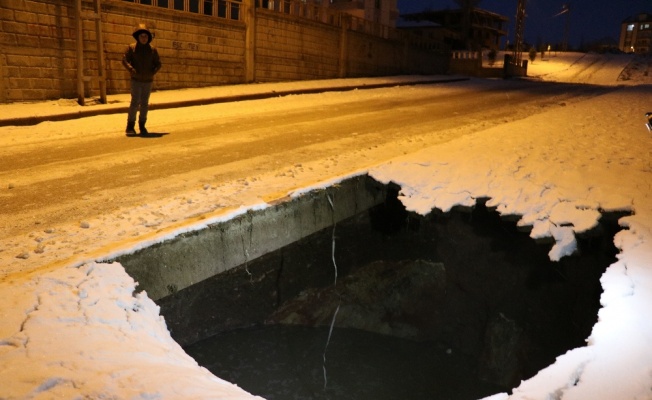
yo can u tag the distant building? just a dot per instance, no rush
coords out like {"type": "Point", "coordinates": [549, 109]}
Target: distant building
{"type": "Point", "coordinates": [428, 35]}
{"type": "Point", "coordinates": [636, 34]}
{"type": "Point", "coordinates": [382, 12]}
{"type": "Point", "coordinates": [485, 28]}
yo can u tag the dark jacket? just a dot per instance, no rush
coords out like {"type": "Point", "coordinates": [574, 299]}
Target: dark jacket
{"type": "Point", "coordinates": [142, 60]}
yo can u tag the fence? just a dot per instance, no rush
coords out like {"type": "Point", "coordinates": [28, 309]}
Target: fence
{"type": "Point", "coordinates": [470, 63]}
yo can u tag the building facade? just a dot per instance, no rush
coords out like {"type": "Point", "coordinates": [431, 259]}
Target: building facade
{"type": "Point", "coordinates": [636, 34]}
{"type": "Point", "coordinates": [428, 35]}
{"type": "Point", "coordinates": [485, 28]}
{"type": "Point", "coordinates": [379, 11]}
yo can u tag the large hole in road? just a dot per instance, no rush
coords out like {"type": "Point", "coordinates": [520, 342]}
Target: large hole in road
{"type": "Point", "coordinates": [459, 305]}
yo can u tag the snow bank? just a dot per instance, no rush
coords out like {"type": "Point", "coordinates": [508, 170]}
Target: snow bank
{"type": "Point", "coordinates": [84, 331]}
{"type": "Point", "coordinates": [557, 172]}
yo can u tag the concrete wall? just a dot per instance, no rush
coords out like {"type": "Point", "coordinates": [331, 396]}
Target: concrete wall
{"type": "Point", "coordinates": [426, 62]}
{"type": "Point", "coordinates": [368, 55]}
{"type": "Point", "coordinates": [39, 47]}
{"type": "Point", "coordinates": [288, 48]}
{"type": "Point", "coordinates": [466, 62]}
{"type": "Point", "coordinates": [174, 265]}
{"type": "Point", "coordinates": [196, 50]}
{"type": "Point", "coordinates": [38, 42]}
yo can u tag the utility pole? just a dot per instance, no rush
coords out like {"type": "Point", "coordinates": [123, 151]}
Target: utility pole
{"type": "Point", "coordinates": [567, 27]}
{"type": "Point", "coordinates": [565, 9]}
{"type": "Point", "coordinates": [80, 53]}
{"type": "Point", "coordinates": [83, 80]}
{"type": "Point", "coordinates": [518, 32]}
{"type": "Point", "coordinates": [250, 40]}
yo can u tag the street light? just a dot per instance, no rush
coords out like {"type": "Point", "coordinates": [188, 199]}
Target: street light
{"type": "Point", "coordinates": [565, 9]}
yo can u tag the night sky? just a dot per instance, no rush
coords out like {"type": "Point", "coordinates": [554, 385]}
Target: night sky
{"type": "Point", "coordinates": [590, 20]}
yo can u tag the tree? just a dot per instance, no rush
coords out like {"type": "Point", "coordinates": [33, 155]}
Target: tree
{"type": "Point", "coordinates": [533, 54]}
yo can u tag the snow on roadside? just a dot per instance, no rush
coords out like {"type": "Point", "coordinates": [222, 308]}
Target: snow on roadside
{"type": "Point", "coordinates": [82, 332]}
{"type": "Point", "coordinates": [601, 69]}
{"type": "Point", "coordinates": [558, 172]}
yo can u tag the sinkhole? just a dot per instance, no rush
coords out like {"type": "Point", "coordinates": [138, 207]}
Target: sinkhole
{"type": "Point", "coordinates": [379, 304]}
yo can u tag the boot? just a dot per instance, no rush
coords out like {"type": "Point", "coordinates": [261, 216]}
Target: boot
{"type": "Point", "coordinates": [143, 130]}
{"type": "Point", "coordinates": [130, 128]}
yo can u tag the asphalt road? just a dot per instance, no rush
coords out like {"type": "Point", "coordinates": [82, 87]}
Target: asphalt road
{"type": "Point", "coordinates": [60, 172]}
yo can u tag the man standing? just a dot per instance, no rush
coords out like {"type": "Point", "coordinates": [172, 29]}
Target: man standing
{"type": "Point", "coordinates": [142, 61]}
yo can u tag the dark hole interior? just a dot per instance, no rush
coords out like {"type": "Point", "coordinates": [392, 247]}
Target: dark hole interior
{"type": "Point", "coordinates": [459, 305]}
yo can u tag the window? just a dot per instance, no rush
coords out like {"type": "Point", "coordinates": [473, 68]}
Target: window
{"type": "Point", "coordinates": [208, 7]}
{"type": "Point", "coordinates": [218, 8]}
{"type": "Point", "coordinates": [222, 8]}
{"type": "Point", "coordinates": [235, 11]}
{"type": "Point", "coordinates": [630, 27]}
{"type": "Point", "coordinates": [194, 6]}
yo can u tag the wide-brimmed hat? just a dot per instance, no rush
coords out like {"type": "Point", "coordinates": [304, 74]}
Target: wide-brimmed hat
{"type": "Point", "coordinates": [142, 28]}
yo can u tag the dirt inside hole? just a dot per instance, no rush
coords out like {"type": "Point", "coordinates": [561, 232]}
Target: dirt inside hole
{"type": "Point", "coordinates": [472, 302]}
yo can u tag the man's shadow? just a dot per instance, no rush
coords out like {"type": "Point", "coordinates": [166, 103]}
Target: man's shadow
{"type": "Point", "coordinates": [149, 135]}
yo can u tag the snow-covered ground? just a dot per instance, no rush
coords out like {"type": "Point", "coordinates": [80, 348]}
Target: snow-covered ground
{"type": "Point", "coordinates": [74, 329]}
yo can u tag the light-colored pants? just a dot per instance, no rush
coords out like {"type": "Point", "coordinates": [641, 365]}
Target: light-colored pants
{"type": "Point", "coordinates": [140, 92]}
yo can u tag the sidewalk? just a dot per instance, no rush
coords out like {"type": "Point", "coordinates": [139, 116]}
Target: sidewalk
{"type": "Point", "coordinates": [63, 109]}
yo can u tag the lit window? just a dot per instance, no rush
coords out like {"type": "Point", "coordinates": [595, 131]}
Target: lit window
{"type": "Point", "coordinates": [630, 27]}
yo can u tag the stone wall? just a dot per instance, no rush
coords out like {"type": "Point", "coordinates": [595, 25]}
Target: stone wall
{"type": "Point", "coordinates": [289, 48]}
{"type": "Point", "coordinates": [38, 49]}
{"type": "Point", "coordinates": [374, 56]}
{"type": "Point", "coordinates": [369, 55]}
{"type": "Point", "coordinates": [196, 50]}
{"type": "Point", "coordinates": [38, 44]}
